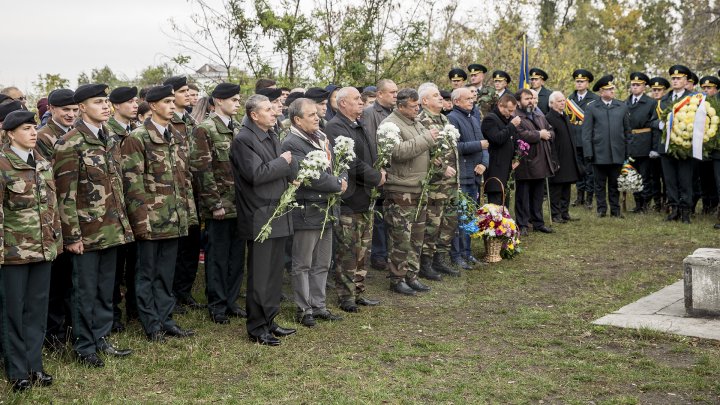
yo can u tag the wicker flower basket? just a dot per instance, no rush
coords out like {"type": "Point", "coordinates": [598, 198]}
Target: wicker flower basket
{"type": "Point", "coordinates": [493, 246]}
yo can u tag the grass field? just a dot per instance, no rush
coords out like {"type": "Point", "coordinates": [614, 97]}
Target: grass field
{"type": "Point", "coordinates": [514, 332]}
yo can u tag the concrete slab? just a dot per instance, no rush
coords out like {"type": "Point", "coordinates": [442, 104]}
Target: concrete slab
{"type": "Point", "coordinates": [663, 311]}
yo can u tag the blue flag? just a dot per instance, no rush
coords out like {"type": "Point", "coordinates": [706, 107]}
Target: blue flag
{"type": "Point", "coordinates": [523, 82]}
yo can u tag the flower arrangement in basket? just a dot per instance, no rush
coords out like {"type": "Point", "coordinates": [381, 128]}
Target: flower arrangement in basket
{"type": "Point", "coordinates": [498, 229]}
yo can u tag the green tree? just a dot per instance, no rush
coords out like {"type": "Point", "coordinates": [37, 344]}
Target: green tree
{"type": "Point", "coordinates": [49, 82]}
{"type": "Point", "coordinates": [154, 75]}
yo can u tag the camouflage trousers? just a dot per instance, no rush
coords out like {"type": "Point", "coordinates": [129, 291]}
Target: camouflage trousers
{"type": "Point", "coordinates": [442, 221]}
{"type": "Point", "coordinates": [353, 234]}
{"type": "Point", "coordinates": [405, 234]}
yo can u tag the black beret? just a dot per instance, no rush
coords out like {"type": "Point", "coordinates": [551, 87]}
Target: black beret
{"type": "Point", "coordinates": [177, 82]}
{"type": "Point", "coordinates": [87, 91]}
{"type": "Point", "coordinates": [293, 96]}
{"type": "Point", "coordinates": [659, 83]}
{"type": "Point", "coordinates": [457, 74]}
{"type": "Point", "coordinates": [158, 93]}
{"type": "Point", "coordinates": [6, 109]}
{"type": "Point", "coordinates": [17, 118]}
{"type": "Point", "coordinates": [710, 81]}
{"type": "Point", "coordinates": [4, 97]}
{"type": "Point", "coordinates": [679, 70]}
{"type": "Point", "coordinates": [272, 94]}
{"type": "Point", "coordinates": [476, 68]}
{"type": "Point", "coordinates": [123, 94]}
{"type": "Point", "coordinates": [225, 90]}
{"type": "Point", "coordinates": [639, 77]}
{"type": "Point", "coordinates": [317, 94]}
{"type": "Point", "coordinates": [445, 94]}
{"type": "Point", "coordinates": [61, 98]}
{"type": "Point", "coordinates": [537, 73]}
{"type": "Point", "coordinates": [501, 75]}
{"type": "Point", "coordinates": [693, 78]}
{"type": "Point", "coordinates": [605, 82]}
{"type": "Point", "coordinates": [582, 74]}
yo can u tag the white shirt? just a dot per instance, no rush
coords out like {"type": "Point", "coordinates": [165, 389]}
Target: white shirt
{"type": "Point", "coordinates": [160, 128]}
{"type": "Point", "coordinates": [581, 96]}
{"type": "Point", "coordinates": [125, 125]}
{"type": "Point", "coordinates": [225, 120]}
{"type": "Point", "coordinates": [676, 95]}
{"type": "Point", "coordinates": [23, 154]}
{"type": "Point", "coordinates": [92, 128]}
{"type": "Point", "coordinates": [63, 127]}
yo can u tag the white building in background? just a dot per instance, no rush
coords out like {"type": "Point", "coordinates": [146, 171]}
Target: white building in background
{"type": "Point", "coordinates": [209, 75]}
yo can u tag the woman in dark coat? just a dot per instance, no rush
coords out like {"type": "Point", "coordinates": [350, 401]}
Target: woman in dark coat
{"type": "Point", "coordinates": [563, 151]}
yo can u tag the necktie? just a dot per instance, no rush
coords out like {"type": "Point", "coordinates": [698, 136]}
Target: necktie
{"type": "Point", "coordinates": [101, 135]}
{"type": "Point", "coordinates": [580, 98]}
{"type": "Point", "coordinates": [31, 160]}
{"type": "Point", "coordinates": [675, 96]}
{"type": "Point", "coordinates": [231, 126]}
{"type": "Point", "coordinates": [127, 129]}
{"type": "Point", "coordinates": [634, 100]}
{"type": "Point", "coordinates": [166, 135]}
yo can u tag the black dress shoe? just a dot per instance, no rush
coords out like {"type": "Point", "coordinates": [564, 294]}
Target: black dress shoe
{"type": "Point", "coordinates": [559, 220]}
{"type": "Point", "coordinates": [192, 304]}
{"type": "Point", "coordinates": [349, 307]}
{"type": "Point", "coordinates": [265, 339]}
{"type": "Point", "coordinates": [20, 385]}
{"type": "Point", "coordinates": [178, 332]}
{"type": "Point", "coordinates": [307, 320]}
{"type": "Point", "coordinates": [569, 218]}
{"type": "Point", "coordinates": [716, 226]}
{"type": "Point", "coordinates": [236, 312]}
{"type": "Point", "coordinates": [41, 378]}
{"type": "Point", "coordinates": [326, 316]}
{"type": "Point", "coordinates": [117, 327]}
{"type": "Point", "coordinates": [367, 302]}
{"type": "Point", "coordinates": [220, 319]}
{"type": "Point", "coordinates": [402, 287]}
{"type": "Point", "coordinates": [91, 360]}
{"type": "Point", "coordinates": [279, 331]}
{"type": "Point", "coordinates": [157, 336]}
{"type": "Point", "coordinates": [107, 348]}
{"type": "Point", "coordinates": [543, 229]}
{"type": "Point", "coordinates": [417, 285]}
{"type": "Point", "coordinates": [378, 264]}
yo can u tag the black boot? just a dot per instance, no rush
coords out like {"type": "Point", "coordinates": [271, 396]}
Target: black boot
{"type": "Point", "coordinates": [674, 214]}
{"type": "Point", "coordinates": [580, 200]}
{"type": "Point", "coordinates": [639, 206]}
{"type": "Point", "coordinates": [441, 264]}
{"type": "Point", "coordinates": [426, 269]}
{"type": "Point", "coordinates": [685, 214]}
{"type": "Point", "coordinates": [589, 201]}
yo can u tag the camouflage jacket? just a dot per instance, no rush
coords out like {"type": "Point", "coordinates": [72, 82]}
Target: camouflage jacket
{"type": "Point", "coordinates": [184, 125]}
{"type": "Point", "coordinates": [89, 190]}
{"type": "Point", "coordinates": [211, 165]}
{"type": "Point", "coordinates": [118, 129]}
{"type": "Point", "coordinates": [46, 138]}
{"type": "Point", "coordinates": [486, 100]}
{"type": "Point", "coordinates": [450, 157]}
{"type": "Point", "coordinates": [29, 219]}
{"type": "Point", "coordinates": [157, 184]}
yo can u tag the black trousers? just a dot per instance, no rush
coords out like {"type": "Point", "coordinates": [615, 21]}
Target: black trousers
{"type": "Point", "coordinates": [59, 302]}
{"type": "Point", "coordinates": [186, 265]}
{"type": "Point", "coordinates": [495, 197]}
{"type": "Point", "coordinates": [560, 200]}
{"type": "Point", "coordinates": [587, 179]}
{"type": "Point", "coordinates": [529, 202]}
{"type": "Point", "coordinates": [657, 184]}
{"type": "Point", "coordinates": [678, 181]}
{"type": "Point", "coordinates": [606, 177]}
{"type": "Point", "coordinates": [264, 284]}
{"type": "Point", "coordinates": [125, 274]}
{"type": "Point", "coordinates": [643, 167]}
{"type": "Point", "coordinates": [707, 185]}
{"type": "Point", "coordinates": [24, 292]}
{"type": "Point", "coordinates": [154, 281]}
{"type": "Point", "coordinates": [93, 281]}
{"type": "Point", "coordinates": [224, 264]}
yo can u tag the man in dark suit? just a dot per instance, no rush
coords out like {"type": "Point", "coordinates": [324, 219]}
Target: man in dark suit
{"type": "Point", "coordinates": [563, 147]}
{"type": "Point", "coordinates": [262, 173]}
{"type": "Point", "coordinates": [500, 129]}
{"type": "Point", "coordinates": [537, 83]}
{"type": "Point", "coordinates": [582, 97]}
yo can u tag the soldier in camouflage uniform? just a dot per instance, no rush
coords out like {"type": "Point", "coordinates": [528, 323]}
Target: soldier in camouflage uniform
{"type": "Point", "coordinates": [485, 94]}
{"type": "Point", "coordinates": [94, 222]}
{"type": "Point", "coordinates": [159, 201]}
{"type": "Point", "coordinates": [64, 112]}
{"type": "Point", "coordinates": [442, 197]}
{"type": "Point", "coordinates": [31, 237]}
{"type": "Point", "coordinates": [210, 159]}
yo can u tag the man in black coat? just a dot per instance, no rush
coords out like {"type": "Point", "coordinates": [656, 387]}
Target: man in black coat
{"type": "Point", "coordinates": [500, 129]}
{"type": "Point", "coordinates": [262, 173]}
{"type": "Point", "coordinates": [582, 97]}
{"type": "Point", "coordinates": [563, 147]}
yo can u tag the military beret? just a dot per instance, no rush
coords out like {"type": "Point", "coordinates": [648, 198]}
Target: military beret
{"type": "Point", "coordinates": [3, 97]}
{"type": "Point", "coordinates": [476, 68]}
{"type": "Point", "coordinates": [605, 83]}
{"type": "Point", "coordinates": [501, 75]}
{"type": "Point", "coordinates": [639, 77]}
{"type": "Point", "coordinates": [61, 98]}
{"type": "Point", "coordinates": [293, 96]}
{"type": "Point", "coordinates": [225, 90]}
{"type": "Point", "coordinates": [370, 88]}
{"type": "Point", "coordinates": [123, 94]}
{"type": "Point", "coordinates": [158, 93]}
{"type": "Point", "coordinates": [6, 109]}
{"type": "Point", "coordinates": [582, 74]}
{"type": "Point", "coordinates": [537, 73]}
{"type": "Point", "coordinates": [457, 74]}
{"type": "Point", "coordinates": [87, 91]}
{"type": "Point", "coordinates": [710, 81]}
{"type": "Point", "coordinates": [17, 118]}
{"type": "Point", "coordinates": [273, 94]}
{"type": "Point", "coordinates": [317, 94]}
{"type": "Point", "coordinates": [177, 82]}
{"type": "Point", "coordinates": [693, 78]}
{"type": "Point", "coordinates": [445, 94]}
{"type": "Point", "coordinates": [659, 83]}
{"type": "Point", "coordinates": [679, 71]}
{"type": "Point", "coordinates": [360, 89]}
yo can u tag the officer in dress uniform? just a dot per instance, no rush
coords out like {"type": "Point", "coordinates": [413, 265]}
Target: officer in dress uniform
{"type": "Point", "coordinates": [582, 97]}
{"type": "Point", "coordinates": [457, 78]}
{"type": "Point", "coordinates": [538, 77]}
{"type": "Point", "coordinates": [658, 86]}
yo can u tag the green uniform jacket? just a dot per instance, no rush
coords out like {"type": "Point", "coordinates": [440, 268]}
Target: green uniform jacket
{"type": "Point", "coordinates": [185, 126]}
{"type": "Point", "coordinates": [46, 138]}
{"type": "Point", "coordinates": [29, 220]}
{"type": "Point", "coordinates": [411, 158]}
{"type": "Point", "coordinates": [211, 165]}
{"type": "Point", "coordinates": [119, 129]}
{"type": "Point", "coordinates": [450, 157]}
{"type": "Point", "coordinates": [89, 190]}
{"type": "Point", "coordinates": [157, 186]}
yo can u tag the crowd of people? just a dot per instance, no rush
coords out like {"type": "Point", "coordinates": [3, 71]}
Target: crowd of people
{"type": "Point", "coordinates": [111, 196]}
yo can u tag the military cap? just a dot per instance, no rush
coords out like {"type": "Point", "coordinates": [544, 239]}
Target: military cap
{"type": "Point", "coordinates": [582, 74]}
{"type": "Point", "coordinates": [501, 75]}
{"type": "Point", "coordinates": [123, 94]}
{"type": "Point", "coordinates": [457, 74]}
{"type": "Point", "coordinates": [6, 109]}
{"type": "Point", "coordinates": [605, 83]}
{"type": "Point", "coordinates": [293, 96]}
{"type": "Point", "coordinates": [61, 98]}
{"type": "Point", "coordinates": [679, 71]}
{"type": "Point", "coordinates": [639, 77]}
{"type": "Point", "coordinates": [177, 82]}
{"type": "Point", "coordinates": [87, 91]}
{"type": "Point", "coordinates": [659, 83]}
{"type": "Point", "coordinates": [317, 94]}
{"type": "Point", "coordinates": [445, 94]}
{"type": "Point", "coordinates": [693, 78]}
{"type": "Point", "coordinates": [225, 90]}
{"type": "Point", "coordinates": [710, 81]}
{"type": "Point", "coordinates": [476, 68]}
{"type": "Point", "coordinates": [537, 73]}
{"type": "Point", "coordinates": [158, 93]}
{"type": "Point", "coordinates": [17, 118]}
{"type": "Point", "coordinates": [273, 94]}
